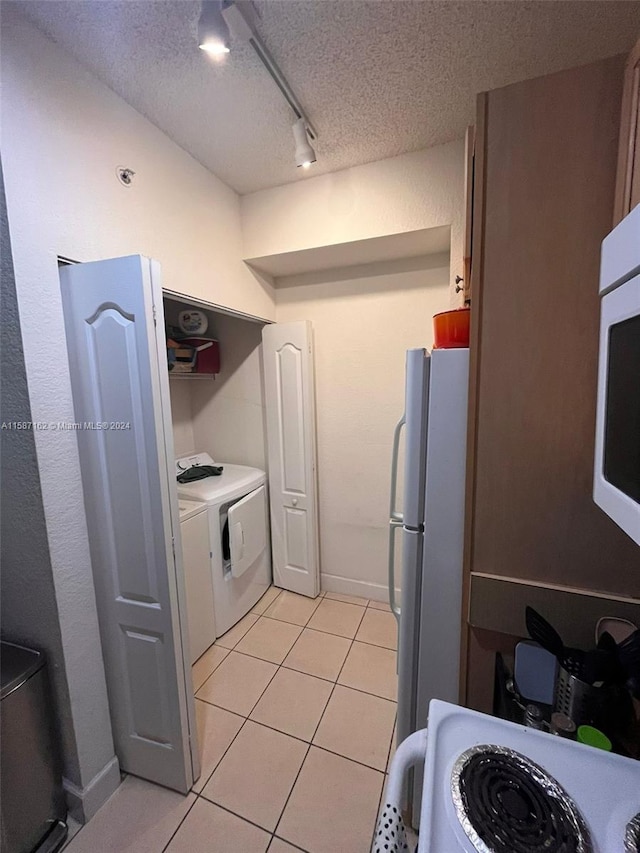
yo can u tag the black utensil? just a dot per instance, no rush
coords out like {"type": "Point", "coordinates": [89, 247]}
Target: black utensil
{"type": "Point", "coordinates": [633, 685]}
{"type": "Point", "coordinates": [629, 649]}
{"type": "Point", "coordinates": [544, 633]}
{"type": "Point", "coordinates": [627, 660]}
{"type": "Point", "coordinates": [602, 665]}
{"type": "Point", "coordinates": [607, 643]}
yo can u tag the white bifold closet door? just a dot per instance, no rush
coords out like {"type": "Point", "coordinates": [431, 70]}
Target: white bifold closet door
{"type": "Point", "coordinates": [121, 398]}
{"type": "Point", "coordinates": [291, 441]}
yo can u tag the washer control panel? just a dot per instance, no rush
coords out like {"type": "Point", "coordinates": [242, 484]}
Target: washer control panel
{"type": "Point", "coordinates": [186, 462]}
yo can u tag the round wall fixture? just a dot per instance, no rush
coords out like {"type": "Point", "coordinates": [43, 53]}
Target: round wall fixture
{"type": "Point", "coordinates": [125, 175]}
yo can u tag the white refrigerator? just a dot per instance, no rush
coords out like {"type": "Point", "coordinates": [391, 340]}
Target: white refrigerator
{"type": "Point", "coordinates": [429, 516]}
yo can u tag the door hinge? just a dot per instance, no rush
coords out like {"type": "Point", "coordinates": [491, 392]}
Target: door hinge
{"type": "Point", "coordinates": [155, 321]}
{"type": "Point", "coordinates": [173, 547]}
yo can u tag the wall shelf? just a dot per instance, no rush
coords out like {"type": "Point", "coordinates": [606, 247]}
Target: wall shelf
{"type": "Point", "coordinates": [173, 375]}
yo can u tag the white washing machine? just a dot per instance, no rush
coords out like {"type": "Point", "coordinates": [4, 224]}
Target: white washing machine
{"type": "Point", "coordinates": [238, 532]}
{"type": "Point", "coordinates": [196, 560]}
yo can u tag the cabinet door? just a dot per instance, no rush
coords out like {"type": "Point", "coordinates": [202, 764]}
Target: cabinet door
{"type": "Point", "coordinates": [628, 175]}
{"type": "Point", "coordinates": [534, 342]}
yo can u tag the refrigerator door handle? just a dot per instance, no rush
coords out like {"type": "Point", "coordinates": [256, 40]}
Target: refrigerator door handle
{"type": "Point", "coordinates": [394, 515]}
{"type": "Point", "coordinates": [395, 518]}
{"type": "Point", "coordinates": [394, 524]}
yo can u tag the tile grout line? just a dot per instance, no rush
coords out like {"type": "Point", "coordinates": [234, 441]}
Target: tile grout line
{"type": "Point", "coordinates": [188, 812]}
{"type": "Point", "coordinates": [246, 720]}
{"type": "Point", "coordinates": [317, 727]}
{"type": "Point", "coordinates": [250, 612]}
{"type": "Point", "coordinates": [195, 690]}
{"type": "Point", "coordinates": [235, 814]}
{"type": "Point", "coordinates": [248, 717]}
{"type": "Point", "coordinates": [274, 619]}
{"type": "Point", "coordinates": [284, 665]}
{"type": "Point", "coordinates": [367, 606]}
{"type": "Point", "coordinates": [284, 840]}
{"type": "Point", "coordinates": [272, 832]}
{"type": "Point", "coordinates": [279, 666]}
{"type": "Point", "coordinates": [302, 763]}
{"type": "Point", "coordinates": [296, 737]}
{"type": "Point", "coordinates": [389, 751]}
{"type": "Point", "coordinates": [280, 591]}
{"type": "Point", "coordinates": [339, 674]}
{"type": "Point", "coordinates": [291, 669]}
{"type": "Point", "coordinates": [200, 794]}
{"type": "Point", "coordinates": [319, 601]}
{"type": "Point", "coordinates": [358, 689]}
{"type": "Point", "coordinates": [386, 766]}
{"type": "Point", "coordinates": [300, 672]}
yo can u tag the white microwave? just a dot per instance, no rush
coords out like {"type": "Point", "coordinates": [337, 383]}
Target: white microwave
{"type": "Point", "coordinates": [616, 481]}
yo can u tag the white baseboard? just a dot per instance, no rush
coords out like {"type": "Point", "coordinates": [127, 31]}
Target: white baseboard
{"type": "Point", "coordinates": [83, 803]}
{"type": "Point", "coordinates": [349, 586]}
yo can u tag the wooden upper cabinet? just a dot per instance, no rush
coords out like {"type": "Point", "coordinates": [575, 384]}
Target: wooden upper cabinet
{"type": "Point", "coordinates": [628, 175]}
{"type": "Point", "coordinates": [545, 159]}
{"type": "Point", "coordinates": [537, 231]}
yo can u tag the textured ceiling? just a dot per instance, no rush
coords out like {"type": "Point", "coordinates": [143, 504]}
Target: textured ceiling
{"type": "Point", "coordinates": [377, 77]}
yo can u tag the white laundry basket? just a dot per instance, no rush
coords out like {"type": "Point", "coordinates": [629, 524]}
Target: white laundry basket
{"type": "Point", "coordinates": [390, 835]}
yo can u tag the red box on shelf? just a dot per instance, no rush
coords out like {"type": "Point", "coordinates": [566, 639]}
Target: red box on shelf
{"type": "Point", "coordinates": [207, 354]}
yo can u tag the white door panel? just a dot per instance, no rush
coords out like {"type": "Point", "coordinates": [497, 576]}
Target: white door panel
{"type": "Point", "coordinates": [118, 389]}
{"type": "Point", "coordinates": [247, 531]}
{"type": "Point", "coordinates": [290, 406]}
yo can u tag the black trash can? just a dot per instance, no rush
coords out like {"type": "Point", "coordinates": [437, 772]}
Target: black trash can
{"type": "Point", "coordinates": [32, 804]}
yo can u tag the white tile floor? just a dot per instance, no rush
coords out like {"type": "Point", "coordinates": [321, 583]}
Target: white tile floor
{"type": "Point", "coordinates": [296, 711]}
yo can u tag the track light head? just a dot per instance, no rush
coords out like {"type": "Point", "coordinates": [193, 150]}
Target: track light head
{"type": "Point", "coordinates": [305, 155]}
{"type": "Point", "coordinates": [213, 32]}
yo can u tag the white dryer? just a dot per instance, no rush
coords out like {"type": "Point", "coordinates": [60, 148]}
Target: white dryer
{"type": "Point", "coordinates": [239, 534]}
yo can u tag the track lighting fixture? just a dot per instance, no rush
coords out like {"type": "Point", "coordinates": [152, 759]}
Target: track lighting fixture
{"type": "Point", "coordinates": [219, 18]}
{"type": "Point", "coordinates": [305, 155]}
{"type": "Point", "coordinates": [213, 32]}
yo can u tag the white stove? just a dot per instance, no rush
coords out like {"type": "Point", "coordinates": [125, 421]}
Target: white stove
{"type": "Point", "coordinates": [492, 786]}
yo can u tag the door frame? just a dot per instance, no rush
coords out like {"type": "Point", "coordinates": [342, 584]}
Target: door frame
{"type": "Point", "coordinates": [185, 685]}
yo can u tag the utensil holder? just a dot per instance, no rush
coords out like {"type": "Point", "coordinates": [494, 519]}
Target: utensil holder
{"type": "Point", "coordinates": [581, 702]}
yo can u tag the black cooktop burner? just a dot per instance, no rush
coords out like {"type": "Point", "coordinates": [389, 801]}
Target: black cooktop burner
{"type": "Point", "coordinates": [508, 804]}
{"type": "Point", "coordinates": [632, 835]}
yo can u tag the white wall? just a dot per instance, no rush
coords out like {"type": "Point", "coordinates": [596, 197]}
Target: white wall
{"type": "Point", "coordinates": [63, 135]}
{"type": "Point", "coordinates": [228, 413]}
{"type": "Point", "coordinates": [424, 189]}
{"type": "Point", "coordinates": [363, 320]}
{"type": "Point", "coordinates": [29, 612]}
{"type": "Point", "coordinates": [182, 415]}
